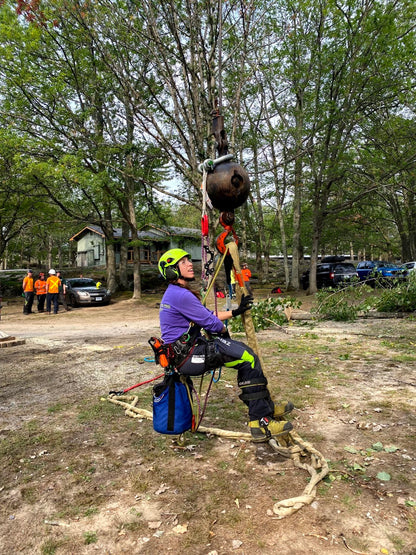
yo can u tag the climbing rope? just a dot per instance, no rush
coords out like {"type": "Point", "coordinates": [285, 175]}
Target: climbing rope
{"type": "Point", "coordinates": [299, 448]}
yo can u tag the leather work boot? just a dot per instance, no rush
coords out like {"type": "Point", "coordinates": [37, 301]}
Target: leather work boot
{"type": "Point", "coordinates": [283, 408]}
{"type": "Point", "coordinates": [266, 428]}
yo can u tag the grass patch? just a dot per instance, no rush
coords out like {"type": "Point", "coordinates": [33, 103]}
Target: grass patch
{"type": "Point", "coordinates": [23, 446]}
{"type": "Point", "coordinates": [398, 542]}
{"type": "Point", "coordinates": [91, 511]}
{"type": "Point", "coordinates": [404, 358]}
{"type": "Point", "coordinates": [58, 407]}
{"type": "Point", "coordinates": [51, 546]}
{"type": "Point", "coordinates": [90, 537]}
{"type": "Point", "coordinates": [105, 412]}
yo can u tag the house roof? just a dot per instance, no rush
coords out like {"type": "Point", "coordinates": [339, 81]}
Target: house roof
{"type": "Point", "coordinates": [94, 228]}
{"type": "Point", "coordinates": [155, 232]}
{"type": "Point", "coordinates": [149, 232]}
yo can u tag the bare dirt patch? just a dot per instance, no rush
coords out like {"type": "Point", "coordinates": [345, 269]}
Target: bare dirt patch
{"type": "Point", "coordinates": [80, 477]}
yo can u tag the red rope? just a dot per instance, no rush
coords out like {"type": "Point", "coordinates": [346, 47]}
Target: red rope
{"type": "Point", "coordinates": [134, 386]}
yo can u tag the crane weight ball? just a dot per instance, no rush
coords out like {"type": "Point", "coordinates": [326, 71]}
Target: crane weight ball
{"type": "Point", "coordinates": [228, 186]}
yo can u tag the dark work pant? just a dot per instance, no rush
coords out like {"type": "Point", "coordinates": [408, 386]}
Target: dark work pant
{"type": "Point", "coordinates": [27, 307]}
{"type": "Point", "coordinates": [248, 287]}
{"type": "Point", "coordinates": [234, 354]}
{"type": "Point", "coordinates": [52, 299]}
{"type": "Point", "coordinates": [41, 302]}
{"type": "Point", "coordinates": [62, 300]}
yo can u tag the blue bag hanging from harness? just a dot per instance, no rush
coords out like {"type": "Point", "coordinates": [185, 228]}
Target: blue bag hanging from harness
{"type": "Point", "coordinates": [172, 410]}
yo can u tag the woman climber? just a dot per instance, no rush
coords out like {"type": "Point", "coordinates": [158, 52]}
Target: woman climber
{"type": "Point", "coordinates": [182, 315]}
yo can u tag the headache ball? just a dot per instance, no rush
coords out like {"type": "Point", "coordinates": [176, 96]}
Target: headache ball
{"type": "Point", "coordinates": [228, 186]}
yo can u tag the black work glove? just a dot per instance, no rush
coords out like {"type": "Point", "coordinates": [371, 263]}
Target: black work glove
{"type": "Point", "coordinates": [245, 304]}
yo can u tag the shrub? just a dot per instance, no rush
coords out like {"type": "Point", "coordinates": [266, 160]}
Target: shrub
{"type": "Point", "coordinates": [266, 313]}
{"type": "Point", "coordinates": [345, 303]}
{"type": "Point", "coordinates": [11, 287]}
{"type": "Point", "coordinates": [401, 298]}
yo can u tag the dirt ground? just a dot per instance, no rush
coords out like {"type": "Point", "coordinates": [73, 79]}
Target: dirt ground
{"type": "Point", "coordinates": [78, 476]}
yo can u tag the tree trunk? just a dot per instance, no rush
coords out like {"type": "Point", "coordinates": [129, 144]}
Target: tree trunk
{"type": "Point", "coordinates": [107, 227]}
{"type": "Point", "coordinates": [49, 256]}
{"type": "Point", "coordinates": [297, 194]}
{"type": "Point", "coordinates": [122, 271]}
{"type": "Point", "coordinates": [137, 288]}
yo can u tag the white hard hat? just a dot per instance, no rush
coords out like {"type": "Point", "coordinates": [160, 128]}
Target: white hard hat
{"type": "Point", "coordinates": [52, 271]}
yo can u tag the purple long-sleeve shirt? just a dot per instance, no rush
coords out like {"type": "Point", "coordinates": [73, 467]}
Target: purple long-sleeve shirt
{"type": "Point", "coordinates": [178, 308]}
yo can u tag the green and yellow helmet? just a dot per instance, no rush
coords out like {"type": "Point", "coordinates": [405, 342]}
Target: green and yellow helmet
{"type": "Point", "coordinates": [168, 263]}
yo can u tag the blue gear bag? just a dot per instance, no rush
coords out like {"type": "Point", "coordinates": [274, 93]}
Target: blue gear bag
{"type": "Point", "coordinates": [172, 410]}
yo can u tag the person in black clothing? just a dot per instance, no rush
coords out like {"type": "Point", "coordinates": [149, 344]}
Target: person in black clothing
{"type": "Point", "coordinates": [62, 291]}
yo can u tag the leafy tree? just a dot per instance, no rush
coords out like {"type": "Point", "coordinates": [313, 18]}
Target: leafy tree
{"type": "Point", "coordinates": [88, 149]}
{"type": "Point", "coordinates": [357, 72]}
{"type": "Point", "coordinates": [389, 159]}
{"type": "Point", "coordinates": [19, 199]}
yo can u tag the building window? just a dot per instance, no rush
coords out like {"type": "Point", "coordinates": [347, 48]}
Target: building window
{"type": "Point", "coordinates": [145, 255]}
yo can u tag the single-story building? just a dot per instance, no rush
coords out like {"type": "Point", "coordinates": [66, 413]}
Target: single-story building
{"type": "Point", "coordinates": [155, 241]}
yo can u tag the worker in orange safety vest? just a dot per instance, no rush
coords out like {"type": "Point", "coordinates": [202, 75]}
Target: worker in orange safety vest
{"type": "Point", "coordinates": [28, 292]}
{"type": "Point", "coordinates": [246, 273]}
{"type": "Point", "coordinates": [40, 288]}
{"type": "Point", "coordinates": [52, 292]}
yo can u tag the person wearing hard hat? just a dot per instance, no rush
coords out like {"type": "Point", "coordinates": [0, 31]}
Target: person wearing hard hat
{"type": "Point", "coordinates": [52, 292]}
{"type": "Point", "coordinates": [182, 315]}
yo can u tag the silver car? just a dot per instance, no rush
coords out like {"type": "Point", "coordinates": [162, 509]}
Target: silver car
{"type": "Point", "coordinates": [411, 266]}
{"type": "Point", "coordinates": [84, 291]}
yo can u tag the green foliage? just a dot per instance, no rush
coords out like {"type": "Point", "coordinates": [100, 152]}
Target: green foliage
{"type": "Point", "coordinates": [343, 304]}
{"type": "Point", "coordinates": [267, 313]}
{"type": "Point", "coordinates": [90, 537]}
{"type": "Point", "coordinates": [99, 135]}
{"type": "Point", "coordinates": [399, 299]}
{"type": "Point", "coordinates": [11, 288]}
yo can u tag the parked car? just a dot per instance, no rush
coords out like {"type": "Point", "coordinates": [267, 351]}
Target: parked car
{"type": "Point", "coordinates": [82, 291]}
{"type": "Point", "coordinates": [378, 271]}
{"type": "Point", "coordinates": [410, 266]}
{"type": "Point", "coordinates": [331, 274]}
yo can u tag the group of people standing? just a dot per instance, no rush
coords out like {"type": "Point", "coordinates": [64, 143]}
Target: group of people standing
{"type": "Point", "coordinates": [49, 291]}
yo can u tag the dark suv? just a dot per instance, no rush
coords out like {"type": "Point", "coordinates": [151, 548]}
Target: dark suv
{"type": "Point", "coordinates": [331, 273]}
